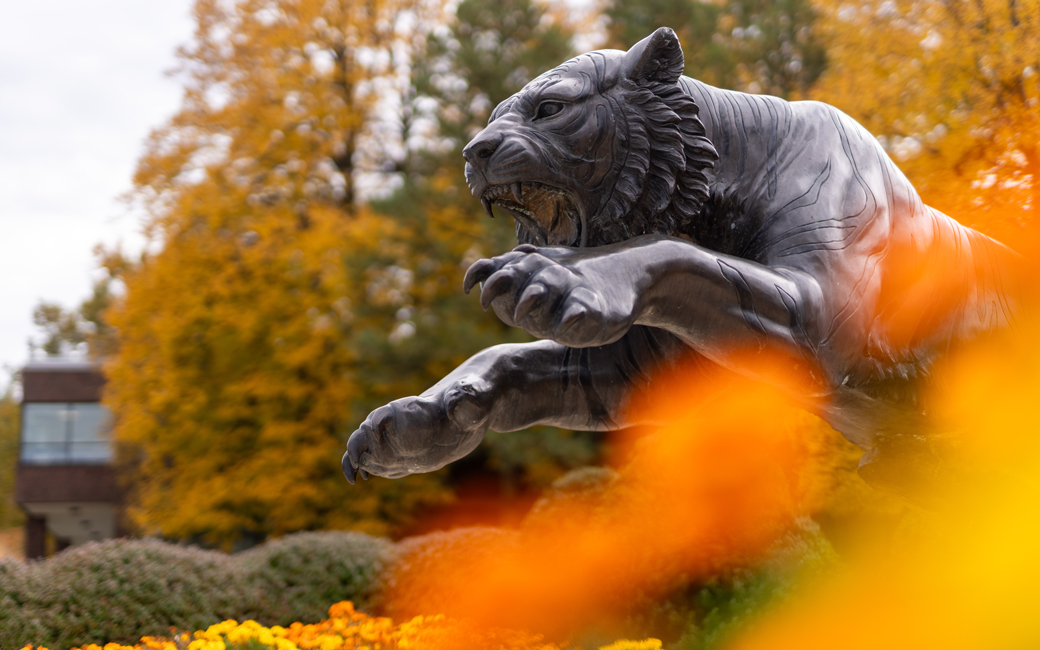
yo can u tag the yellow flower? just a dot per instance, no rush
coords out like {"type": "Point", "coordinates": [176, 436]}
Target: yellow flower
{"type": "Point", "coordinates": [156, 643]}
{"type": "Point", "coordinates": [349, 629]}
{"type": "Point", "coordinates": [343, 609]}
{"type": "Point", "coordinates": [284, 644]}
{"type": "Point", "coordinates": [245, 632]}
{"type": "Point", "coordinates": [625, 644]}
{"type": "Point", "coordinates": [329, 642]}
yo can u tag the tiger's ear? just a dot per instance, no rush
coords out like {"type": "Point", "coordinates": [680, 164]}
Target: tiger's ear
{"type": "Point", "coordinates": [658, 57]}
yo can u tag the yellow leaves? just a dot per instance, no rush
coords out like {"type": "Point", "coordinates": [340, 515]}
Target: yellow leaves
{"type": "Point", "coordinates": [951, 90]}
{"type": "Point", "coordinates": [235, 375]}
{"type": "Point", "coordinates": [252, 333]}
{"type": "Point", "coordinates": [288, 88]}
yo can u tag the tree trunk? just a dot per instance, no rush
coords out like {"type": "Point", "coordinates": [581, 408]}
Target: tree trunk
{"type": "Point", "coordinates": [345, 161]}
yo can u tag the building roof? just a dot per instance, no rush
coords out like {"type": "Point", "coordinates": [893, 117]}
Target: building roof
{"type": "Point", "coordinates": [62, 380]}
{"type": "Point", "coordinates": [53, 364]}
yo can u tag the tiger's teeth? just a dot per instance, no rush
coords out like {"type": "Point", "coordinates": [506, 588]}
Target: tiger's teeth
{"type": "Point", "coordinates": [518, 192]}
{"type": "Point", "coordinates": [486, 202]}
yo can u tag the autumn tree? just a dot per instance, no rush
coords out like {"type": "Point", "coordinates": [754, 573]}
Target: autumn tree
{"type": "Point", "coordinates": [952, 90]}
{"type": "Point", "coordinates": [752, 45]}
{"type": "Point", "coordinates": [10, 439]}
{"type": "Point", "coordinates": [240, 332]}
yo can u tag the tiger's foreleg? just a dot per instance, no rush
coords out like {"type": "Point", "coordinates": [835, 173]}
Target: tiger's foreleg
{"type": "Point", "coordinates": [507, 388]}
{"type": "Point", "coordinates": [717, 304]}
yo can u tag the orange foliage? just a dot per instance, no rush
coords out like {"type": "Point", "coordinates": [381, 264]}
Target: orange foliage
{"type": "Point", "coordinates": [952, 91]}
{"type": "Point", "coordinates": [232, 381]}
{"type": "Point", "coordinates": [966, 578]}
{"type": "Point", "coordinates": [712, 489]}
{"type": "Point", "coordinates": [237, 368]}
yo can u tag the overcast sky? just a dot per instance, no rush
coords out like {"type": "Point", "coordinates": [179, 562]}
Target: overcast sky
{"type": "Point", "coordinates": [81, 85]}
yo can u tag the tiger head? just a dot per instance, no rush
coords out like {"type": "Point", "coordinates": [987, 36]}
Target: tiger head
{"type": "Point", "coordinates": [605, 147]}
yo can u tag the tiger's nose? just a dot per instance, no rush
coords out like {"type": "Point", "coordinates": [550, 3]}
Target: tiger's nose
{"type": "Point", "coordinates": [480, 149]}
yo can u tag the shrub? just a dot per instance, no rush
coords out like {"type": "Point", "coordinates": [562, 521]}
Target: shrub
{"type": "Point", "coordinates": [121, 590]}
{"type": "Point", "coordinates": [718, 610]}
{"type": "Point", "coordinates": [418, 565]}
{"type": "Point", "coordinates": [116, 590]}
{"type": "Point", "coordinates": [296, 577]}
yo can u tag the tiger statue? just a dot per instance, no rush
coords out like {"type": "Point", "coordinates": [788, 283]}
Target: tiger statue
{"type": "Point", "coordinates": [661, 219]}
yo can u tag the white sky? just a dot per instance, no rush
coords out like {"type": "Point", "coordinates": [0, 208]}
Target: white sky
{"type": "Point", "coordinates": [81, 85]}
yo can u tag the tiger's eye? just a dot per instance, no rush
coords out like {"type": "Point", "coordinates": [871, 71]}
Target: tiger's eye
{"type": "Point", "coordinates": [548, 109]}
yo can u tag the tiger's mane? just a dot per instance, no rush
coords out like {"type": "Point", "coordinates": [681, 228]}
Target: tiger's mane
{"type": "Point", "coordinates": [664, 168]}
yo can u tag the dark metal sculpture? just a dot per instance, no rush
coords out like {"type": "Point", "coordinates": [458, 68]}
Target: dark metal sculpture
{"type": "Point", "coordinates": [660, 218]}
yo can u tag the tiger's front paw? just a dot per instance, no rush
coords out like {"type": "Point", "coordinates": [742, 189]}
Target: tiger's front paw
{"type": "Point", "coordinates": [419, 434]}
{"type": "Point", "coordinates": [556, 293]}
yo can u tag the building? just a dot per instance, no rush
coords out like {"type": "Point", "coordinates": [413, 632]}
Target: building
{"type": "Point", "coordinates": [65, 481]}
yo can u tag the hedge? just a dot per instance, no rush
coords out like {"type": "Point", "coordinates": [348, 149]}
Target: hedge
{"type": "Point", "coordinates": [121, 590]}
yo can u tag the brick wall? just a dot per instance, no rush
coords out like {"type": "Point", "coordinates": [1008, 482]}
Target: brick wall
{"type": "Point", "coordinates": [61, 385]}
{"type": "Point", "coordinates": [57, 483]}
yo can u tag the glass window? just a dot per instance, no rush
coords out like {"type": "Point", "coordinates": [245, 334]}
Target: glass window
{"type": "Point", "coordinates": [90, 423]}
{"type": "Point", "coordinates": [65, 433]}
{"type": "Point", "coordinates": [43, 453]}
{"type": "Point", "coordinates": [90, 452]}
{"type": "Point", "coordinates": [45, 422]}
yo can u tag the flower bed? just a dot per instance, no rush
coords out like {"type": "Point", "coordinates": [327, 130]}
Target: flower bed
{"type": "Point", "coordinates": [123, 590]}
{"type": "Point", "coordinates": [349, 629]}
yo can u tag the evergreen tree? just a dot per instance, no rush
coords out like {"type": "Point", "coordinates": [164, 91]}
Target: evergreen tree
{"type": "Point", "coordinates": [752, 45]}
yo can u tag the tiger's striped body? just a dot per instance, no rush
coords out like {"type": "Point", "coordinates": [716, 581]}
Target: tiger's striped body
{"type": "Point", "coordinates": [669, 220]}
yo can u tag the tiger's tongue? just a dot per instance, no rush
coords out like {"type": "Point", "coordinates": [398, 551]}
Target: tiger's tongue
{"type": "Point", "coordinates": [554, 213]}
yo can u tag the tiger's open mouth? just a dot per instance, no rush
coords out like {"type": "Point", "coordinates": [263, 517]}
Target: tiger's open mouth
{"type": "Point", "coordinates": [548, 214]}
